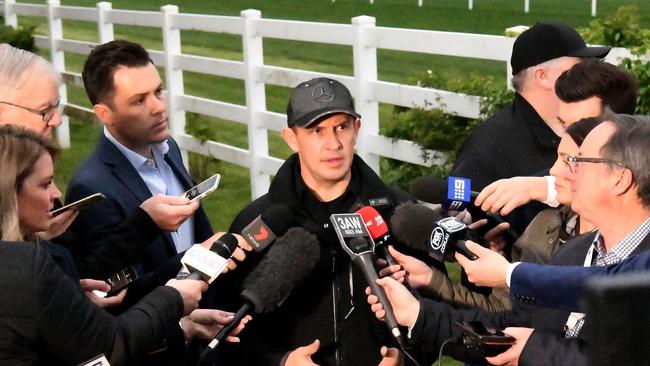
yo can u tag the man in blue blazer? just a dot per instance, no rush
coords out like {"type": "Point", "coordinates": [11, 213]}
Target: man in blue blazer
{"type": "Point", "coordinates": [611, 188]}
{"type": "Point", "coordinates": [135, 157]}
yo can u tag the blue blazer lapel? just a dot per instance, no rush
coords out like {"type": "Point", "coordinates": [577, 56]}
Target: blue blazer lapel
{"type": "Point", "coordinates": [173, 158]}
{"type": "Point", "coordinates": [122, 169]}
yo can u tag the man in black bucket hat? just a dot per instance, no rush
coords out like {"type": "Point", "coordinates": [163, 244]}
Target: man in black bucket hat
{"type": "Point", "coordinates": [326, 319]}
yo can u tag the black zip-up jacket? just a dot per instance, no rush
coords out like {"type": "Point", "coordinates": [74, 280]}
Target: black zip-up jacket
{"type": "Point", "coordinates": [329, 305]}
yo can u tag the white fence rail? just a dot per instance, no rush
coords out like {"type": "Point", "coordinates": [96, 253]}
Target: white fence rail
{"type": "Point", "coordinates": [362, 35]}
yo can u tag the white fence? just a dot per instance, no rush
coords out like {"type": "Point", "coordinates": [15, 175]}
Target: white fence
{"type": "Point", "coordinates": [364, 37]}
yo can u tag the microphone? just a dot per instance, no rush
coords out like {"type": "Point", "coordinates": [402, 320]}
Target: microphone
{"type": "Point", "coordinates": [378, 230]}
{"type": "Point", "coordinates": [356, 241]}
{"type": "Point", "coordinates": [456, 194]}
{"type": "Point", "coordinates": [204, 264]}
{"type": "Point", "coordinates": [286, 264]}
{"type": "Point", "coordinates": [425, 230]}
{"type": "Point", "coordinates": [265, 228]}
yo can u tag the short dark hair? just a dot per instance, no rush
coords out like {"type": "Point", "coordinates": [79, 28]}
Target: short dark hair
{"type": "Point", "coordinates": [629, 146]}
{"type": "Point", "coordinates": [102, 62]}
{"type": "Point", "coordinates": [579, 130]}
{"type": "Point", "coordinates": [595, 78]}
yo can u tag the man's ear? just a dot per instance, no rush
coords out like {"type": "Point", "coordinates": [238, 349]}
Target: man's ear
{"type": "Point", "coordinates": [624, 183]}
{"type": "Point", "coordinates": [357, 125]}
{"type": "Point", "coordinates": [542, 77]}
{"type": "Point", "coordinates": [104, 113]}
{"type": "Point", "coordinates": [289, 137]}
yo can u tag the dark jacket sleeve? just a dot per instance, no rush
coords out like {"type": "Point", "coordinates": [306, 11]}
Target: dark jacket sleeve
{"type": "Point", "coordinates": [72, 329]}
{"type": "Point", "coordinates": [549, 348]}
{"type": "Point", "coordinates": [561, 287]}
{"type": "Point", "coordinates": [116, 249]}
{"type": "Point", "coordinates": [435, 325]}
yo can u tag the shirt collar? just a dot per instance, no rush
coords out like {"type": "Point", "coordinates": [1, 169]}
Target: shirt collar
{"type": "Point", "coordinates": [133, 157]}
{"type": "Point", "coordinates": [623, 249]}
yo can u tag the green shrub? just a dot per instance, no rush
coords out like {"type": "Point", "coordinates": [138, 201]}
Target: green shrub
{"type": "Point", "coordinates": [19, 38]}
{"type": "Point", "coordinates": [623, 29]}
{"type": "Point", "coordinates": [433, 129]}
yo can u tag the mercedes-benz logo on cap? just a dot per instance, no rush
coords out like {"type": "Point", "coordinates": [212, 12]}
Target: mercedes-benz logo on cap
{"type": "Point", "coordinates": [322, 94]}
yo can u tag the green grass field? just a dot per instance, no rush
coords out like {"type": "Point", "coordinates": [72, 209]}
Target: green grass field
{"type": "Point", "coordinates": [488, 17]}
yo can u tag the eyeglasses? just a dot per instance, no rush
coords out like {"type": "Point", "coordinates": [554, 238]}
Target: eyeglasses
{"type": "Point", "coordinates": [574, 161]}
{"type": "Point", "coordinates": [46, 113]}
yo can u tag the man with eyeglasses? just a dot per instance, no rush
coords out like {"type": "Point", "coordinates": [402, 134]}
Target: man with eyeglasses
{"type": "Point", "coordinates": [610, 185]}
{"type": "Point", "coordinates": [29, 93]}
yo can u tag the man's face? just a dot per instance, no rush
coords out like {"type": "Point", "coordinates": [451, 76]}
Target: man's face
{"type": "Point", "coordinates": [137, 114]}
{"type": "Point", "coordinates": [38, 93]}
{"type": "Point", "coordinates": [560, 170]}
{"type": "Point", "coordinates": [591, 182]}
{"type": "Point", "coordinates": [570, 113]}
{"type": "Point", "coordinates": [325, 150]}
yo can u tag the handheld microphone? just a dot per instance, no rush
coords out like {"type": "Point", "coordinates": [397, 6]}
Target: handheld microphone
{"type": "Point", "coordinates": [456, 194]}
{"type": "Point", "coordinates": [204, 264]}
{"type": "Point", "coordinates": [425, 230]}
{"type": "Point", "coordinates": [356, 241]}
{"type": "Point", "coordinates": [286, 264]}
{"type": "Point", "coordinates": [265, 228]}
{"type": "Point", "coordinates": [378, 230]}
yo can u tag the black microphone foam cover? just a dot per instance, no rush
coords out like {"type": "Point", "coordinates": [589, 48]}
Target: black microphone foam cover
{"type": "Point", "coordinates": [289, 260]}
{"type": "Point", "coordinates": [225, 245]}
{"type": "Point", "coordinates": [278, 218]}
{"type": "Point", "coordinates": [412, 223]}
{"type": "Point", "coordinates": [429, 189]}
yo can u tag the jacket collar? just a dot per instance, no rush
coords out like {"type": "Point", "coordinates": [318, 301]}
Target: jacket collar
{"type": "Point", "coordinates": [540, 132]}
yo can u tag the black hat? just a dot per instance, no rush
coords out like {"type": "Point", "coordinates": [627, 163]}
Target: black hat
{"type": "Point", "coordinates": [316, 98]}
{"type": "Point", "coordinates": [546, 41]}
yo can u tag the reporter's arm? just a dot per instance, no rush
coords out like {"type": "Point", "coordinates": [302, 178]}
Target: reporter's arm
{"type": "Point", "coordinates": [73, 329]}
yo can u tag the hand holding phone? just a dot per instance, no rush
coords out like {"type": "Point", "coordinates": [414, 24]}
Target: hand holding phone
{"type": "Point", "coordinates": [203, 189]}
{"type": "Point", "coordinates": [121, 279]}
{"type": "Point", "coordinates": [484, 339]}
{"type": "Point", "coordinates": [93, 198]}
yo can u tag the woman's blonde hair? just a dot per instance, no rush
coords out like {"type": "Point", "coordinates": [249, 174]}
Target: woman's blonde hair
{"type": "Point", "coordinates": [19, 150]}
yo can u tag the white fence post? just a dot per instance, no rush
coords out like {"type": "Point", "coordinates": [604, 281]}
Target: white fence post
{"type": "Point", "coordinates": [55, 26]}
{"type": "Point", "coordinates": [173, 74]}
{"type": "Point", "coordinates": [526, 6]}
{"type": "Point", "coordinates": [594, 4]}
{"type": "Point", "coordinates": [365, 71]}
{"type": "Point", "coordinates": [258, 145]}
{"type": "Point", "coordinates": [11, 19]}
{"type": "Point", "coordinates": [104, 27]}
{"type": "Point", "coordinates": [470, 4]}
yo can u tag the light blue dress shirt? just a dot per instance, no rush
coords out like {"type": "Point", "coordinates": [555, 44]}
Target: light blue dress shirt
{"type": "Point", "coordinates": [160, 179]}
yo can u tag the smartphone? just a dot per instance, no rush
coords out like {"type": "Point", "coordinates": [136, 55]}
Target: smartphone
{"type": "Point", "coordinates": [121, 279]}
{"type": "Point", "coordinates": [203, 189]}
{"type": "Point", "coordinates": [93, 198]}
{"type": "Point", "coordinates": [486, 340]}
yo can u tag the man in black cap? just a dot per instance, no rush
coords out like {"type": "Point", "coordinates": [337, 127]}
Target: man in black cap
{"type": "Point", "coordinates": [326, 319]}
{"type": "Point", "coordinates": [522, 138]}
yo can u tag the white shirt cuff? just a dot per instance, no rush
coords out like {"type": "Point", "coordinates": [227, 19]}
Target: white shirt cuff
{"type": "Point", "coordinates": [511, 267]}
{"type": "Point", "coordinates": [551, 192]}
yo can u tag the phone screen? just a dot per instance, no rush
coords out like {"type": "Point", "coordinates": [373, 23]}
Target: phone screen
{"type": "Point", "coordinates": [121, 279]}
{"type": "Point", "coordinates": [204, 188]}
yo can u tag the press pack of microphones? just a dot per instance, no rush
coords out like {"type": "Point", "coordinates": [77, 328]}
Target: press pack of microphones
{"type": "Point", "coordinates": [362, 234]}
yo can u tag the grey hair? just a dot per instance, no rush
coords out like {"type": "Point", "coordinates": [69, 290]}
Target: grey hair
{"type": "Point", "coordinates": [629, 146]}
{"type": "Point", "coordinates": [16, 65]}
{"type": "Point", "coordinates": [520, 79]}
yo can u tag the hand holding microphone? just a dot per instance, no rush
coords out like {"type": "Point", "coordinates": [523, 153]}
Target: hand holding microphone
{"type": "Point", "coordinates": [190, 291]}
{"type": "Point", "coordinates": [286, 264]}
{"type": "Point", "coordinates": [355, 240]}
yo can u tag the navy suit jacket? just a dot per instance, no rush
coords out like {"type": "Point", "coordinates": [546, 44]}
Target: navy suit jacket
{"type": "Point", "coordinates": [108, 171]}
{"type": "Point", "coordinates": [560, 287]}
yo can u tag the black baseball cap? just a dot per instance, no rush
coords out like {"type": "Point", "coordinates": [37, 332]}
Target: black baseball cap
{"type": "Point", "coordinates": [317, 98]}
{"type": "Point", "coordinates": [546, 41]}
